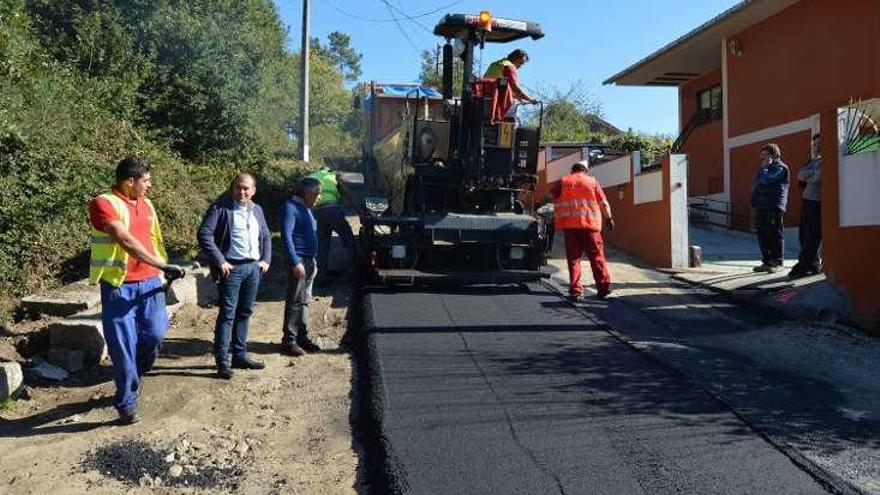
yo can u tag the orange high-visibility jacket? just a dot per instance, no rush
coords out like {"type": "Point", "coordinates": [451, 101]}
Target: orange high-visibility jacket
{"type": "Point", "coordinates": [578, 204]}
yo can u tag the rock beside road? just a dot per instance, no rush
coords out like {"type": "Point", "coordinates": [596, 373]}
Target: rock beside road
{"type": "Point", "coordinates": [47, 371]}
{"type": "Point", "coordinates": [71, 360]}
{"type": "Point", "coordinates": [11, 380]}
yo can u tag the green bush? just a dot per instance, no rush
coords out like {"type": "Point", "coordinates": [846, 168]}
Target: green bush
{"type": "Point", "coordinates": [202, 89]}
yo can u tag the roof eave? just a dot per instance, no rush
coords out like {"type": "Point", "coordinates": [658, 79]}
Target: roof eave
{"type": "Point", "coordinates": [702, 42]}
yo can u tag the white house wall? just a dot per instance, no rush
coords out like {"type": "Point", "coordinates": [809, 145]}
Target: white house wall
{"type": "Point", "coordinates": [859, 185]}
{"type": "Point", "coordinates": [562, 166]}
{"type": "Point", "coordinates": [612, 173]}
{"type": "Point", "coordinates": [648, 187]}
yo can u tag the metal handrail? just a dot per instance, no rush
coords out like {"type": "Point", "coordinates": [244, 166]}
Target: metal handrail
{"type": "Point", "coordinates": [698, 119]}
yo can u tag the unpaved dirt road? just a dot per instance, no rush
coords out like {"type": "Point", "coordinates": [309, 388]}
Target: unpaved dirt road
{"type": "Point", "coordinates": [285, 429]}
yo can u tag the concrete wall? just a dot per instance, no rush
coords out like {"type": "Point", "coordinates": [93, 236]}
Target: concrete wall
{"type": "Point", "coordinates": [648, 187]}
{"type": "Point", "coordinates": [859, 186]}
{"type": "Point", "coordinates": [549, 171]}
{"type": "Point", "coordinates": [650, 209]}
{"type": "Point", "coordinates": [859, 177]}
{"type": "Point", "coordinates": [655, 230]}
{"type": "Point", "coordinates": [613, 172]}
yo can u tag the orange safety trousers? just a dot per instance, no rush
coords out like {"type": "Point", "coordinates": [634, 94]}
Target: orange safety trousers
{"type": "Point", "coordinates": [579, 242]}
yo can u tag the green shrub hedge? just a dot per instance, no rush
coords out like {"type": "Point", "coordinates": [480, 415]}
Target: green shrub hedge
{"type": "Point", "coordinates": [202, 89]}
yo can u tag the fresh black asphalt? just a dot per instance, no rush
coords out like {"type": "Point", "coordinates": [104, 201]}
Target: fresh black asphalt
{"type": "Point", "coordinates": [510, 390]}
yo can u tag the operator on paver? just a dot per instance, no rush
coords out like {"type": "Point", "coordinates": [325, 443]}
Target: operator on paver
{"type": "Point", "coordinates": [331, 218]}
{"type": "Point", "coordinates": [127, 259]}
{"type": "Point", "coordinates": [581, 211]}
{"type": "Point", "coordinates": [507, 68]}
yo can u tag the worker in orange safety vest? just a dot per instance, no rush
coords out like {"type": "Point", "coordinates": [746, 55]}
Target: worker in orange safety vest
{"type": "Point", "coordinates": [581, 211]}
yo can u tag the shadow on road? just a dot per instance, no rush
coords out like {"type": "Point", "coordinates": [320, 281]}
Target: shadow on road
{"type": "Point", "coordinates": [51, 422]}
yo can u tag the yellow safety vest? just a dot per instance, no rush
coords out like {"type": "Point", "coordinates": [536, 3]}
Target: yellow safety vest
{"type": "Point", "coordinates": [109, 261]}
{"type": "Point", "coordinates": [496, 70]}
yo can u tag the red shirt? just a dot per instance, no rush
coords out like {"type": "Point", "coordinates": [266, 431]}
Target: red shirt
{"type": "Point", "coordinates": [512, 77]}
{"type": "Point", "coordinates": [101, 212]}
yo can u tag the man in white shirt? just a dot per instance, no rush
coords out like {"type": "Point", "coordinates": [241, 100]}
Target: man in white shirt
{"type": "Point", "coordinates": [236, 239]}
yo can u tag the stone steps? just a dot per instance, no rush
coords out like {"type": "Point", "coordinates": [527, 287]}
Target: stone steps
{"type": "Point", "coordinates": [63, 301]}
{"type": "Point", "coordinates": [76, 341]}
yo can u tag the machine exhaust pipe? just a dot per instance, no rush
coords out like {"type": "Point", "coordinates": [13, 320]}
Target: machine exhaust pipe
{"type": "Point", "coordinates": [447, 71]}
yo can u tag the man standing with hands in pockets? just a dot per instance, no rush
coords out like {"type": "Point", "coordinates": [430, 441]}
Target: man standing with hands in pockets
{"type": "Point", "coordinates": [236, 238]}
{"type": "Point", "coordinates": [299, 234]}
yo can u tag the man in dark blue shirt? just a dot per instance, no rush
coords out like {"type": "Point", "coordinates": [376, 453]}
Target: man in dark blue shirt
{"type": "Point", "coordinates": [769, 200]}
{"type": "Point", "coordinates": [300, 238]}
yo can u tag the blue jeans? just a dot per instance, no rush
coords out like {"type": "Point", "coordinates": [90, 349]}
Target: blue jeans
{"type": "Point", "coordinates": [135, 322]}
{"type": "Point", "coordinates": [237, 294]}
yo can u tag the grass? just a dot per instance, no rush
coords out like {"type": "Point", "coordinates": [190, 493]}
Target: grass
{"type": "Point", "coordinates": [7, 404]}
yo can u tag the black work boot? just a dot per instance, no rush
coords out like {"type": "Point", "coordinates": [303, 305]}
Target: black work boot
{"type": "Point", "coordinates": [292, 350]}
{"type": "Point", "coordinates": [129, 417]}
{"type": "Point", "coordinates": [224, 370]}
{"type": "Point", "coordinates": [309, 346]}
{"type": "Point", "coordinates": [246, 363]}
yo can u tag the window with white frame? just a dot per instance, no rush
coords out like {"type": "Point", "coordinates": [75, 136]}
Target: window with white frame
{"type": "Point", "coordinates": [710, 102]}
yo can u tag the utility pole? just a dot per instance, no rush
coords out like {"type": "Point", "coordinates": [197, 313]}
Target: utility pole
{"type": "Point", "coordinates": [304, 86]}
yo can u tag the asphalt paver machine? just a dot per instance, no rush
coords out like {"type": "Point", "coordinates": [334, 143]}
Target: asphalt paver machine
{"type": "Point", "coordinates": [449, 181]}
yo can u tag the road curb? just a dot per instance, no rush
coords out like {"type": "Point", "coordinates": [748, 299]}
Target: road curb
{"type": "Point", "coordinates": [379, 466]}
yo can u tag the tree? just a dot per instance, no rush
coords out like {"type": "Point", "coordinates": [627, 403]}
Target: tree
{"type": "Point", "coordinates": [568, 114]}
{"type": "Point", "coordinates": [574, 115]}
{"type": "Point", "coordinates": [201, 88]}
{"type": "Point", "coordinates": [340, 53]}
{"type": "Point", "coordinates": [431, 72]}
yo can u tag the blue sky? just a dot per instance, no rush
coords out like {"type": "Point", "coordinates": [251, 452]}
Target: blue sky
{"type": "Point", "coordinates": [586, 40]}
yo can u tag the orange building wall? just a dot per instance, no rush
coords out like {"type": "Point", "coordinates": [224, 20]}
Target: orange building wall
{"type": "Point", "coordinates": [744, 163]}
{"type": "Point", "coordinates": [642, 230]}
{"type": "Point", "coordinates": [705, 152]}
{"type": "Point", "coordinates": [705, 146]}
{"type": "Point", "coordinates": [813, 55]}
{"type": "Point", "coordinates": [850, 253]}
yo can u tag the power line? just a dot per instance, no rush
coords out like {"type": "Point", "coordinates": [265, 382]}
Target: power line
{"type": "Point", "coordinates": [400, 27]}
{"type": "Point", "coordinates": [393, 19]}
{"type": "Point", "coordinates": [409, 17]}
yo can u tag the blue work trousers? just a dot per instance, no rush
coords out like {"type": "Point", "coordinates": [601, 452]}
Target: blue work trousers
{"type": "Point", "coordinates": [135, 322]}
{"type": "Point", "coordinates": [238, 291]}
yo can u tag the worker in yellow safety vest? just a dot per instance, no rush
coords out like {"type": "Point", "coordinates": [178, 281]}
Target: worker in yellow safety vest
{"type": "Point", "coordinates": [128, 260]}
